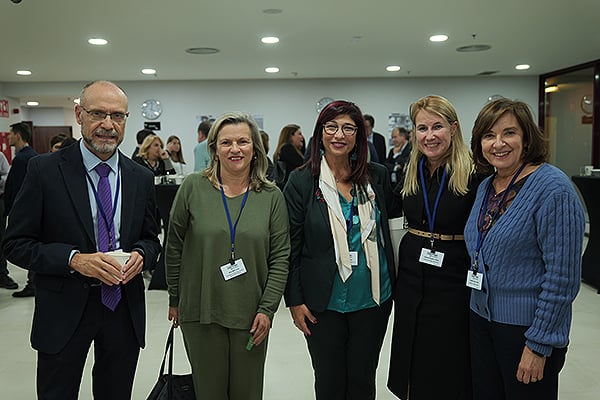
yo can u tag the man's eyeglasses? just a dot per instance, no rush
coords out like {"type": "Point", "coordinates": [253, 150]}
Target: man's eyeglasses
{"type": "Point", "coordinates": [347, 130]}
{"type": "Point", "coordinates": [96, 115]}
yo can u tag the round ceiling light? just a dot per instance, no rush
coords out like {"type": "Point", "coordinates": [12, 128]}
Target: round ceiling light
{"type": "Point", "coordinates": [272, 70]}
{"type": "Point", "coordinates": [97, 41]}
{"type": "Point", "coordinates": [23, 72]}
{"type": "Point", "coordinates": [270, 40]}
{"type": "Point", "coordinates": [522, 67]}
{"type": "Point", "coordinates": [392, 68]}
{"type": "Point", "coordinates": [148, 71]}
{"type": "Point", "coordinates": [438, 38]}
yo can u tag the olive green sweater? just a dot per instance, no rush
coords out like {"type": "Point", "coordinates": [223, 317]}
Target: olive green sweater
{"type": "Point", "coordinates": [199, 244]}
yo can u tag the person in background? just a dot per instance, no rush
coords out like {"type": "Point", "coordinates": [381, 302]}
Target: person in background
{"type": "Point", "coordinates": [56, 141]}
{"type": "Point", "coordinates": [153, 156]}
{"type": "Point", "coordinates": [342, 274]}
{"type": "Point", "coordinates": [6, 281]}
{"type": "Point", "coordinates": [201, 155]}
{"type": "Point", "coordinates": [430, 343]}
{"type": "Point", "coordinates": [399, 154]}
{"type": "Point", "coordinates": [67, 142]}
{"type": "Point", "coordinates": [82, 294]}
{"type": "Point", "coordinates": [139, 137]}
{"type": "Point", "coordinates": [376, 138]}
{"type": "Point", "coordinates": [227, 262]}
{"type": "Point", "coordinates": [265, 141]}
{"type": "Point", "coordinates": [289, 150]}
{"type": "Point", "coordinates": [525, 238]}
{"type": "Point", "coordinates": [176, 155]}
{"type": "Point", "coordinates": [19, 136]}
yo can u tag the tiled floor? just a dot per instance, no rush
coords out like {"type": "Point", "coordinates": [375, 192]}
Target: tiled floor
{"type": "Point", "coordinates": [288, 371]}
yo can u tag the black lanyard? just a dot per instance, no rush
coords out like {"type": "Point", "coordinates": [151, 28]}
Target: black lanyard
{"type": "Point", "coordinates": [109, 224]}
{"type": "Point", "coordinates": [431, 215]}
{"type": "Point", "coordinates": [232, 227]}
{"type": "Point", "coordinates": [481, 232]}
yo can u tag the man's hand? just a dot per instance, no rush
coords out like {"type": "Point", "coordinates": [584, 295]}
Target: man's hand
{"type": "Point", "coordinates": [98, 265]}
{"type": "Point", "coordinates": [133, 266]}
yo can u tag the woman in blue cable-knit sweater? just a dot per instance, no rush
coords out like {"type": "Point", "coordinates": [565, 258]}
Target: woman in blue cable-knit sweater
{"type": "Point", "coordinates": [525, 236]}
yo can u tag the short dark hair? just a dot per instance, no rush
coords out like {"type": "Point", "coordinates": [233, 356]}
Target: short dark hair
{"type": "Point", "coordinates": [22, 129]}
{"type": "Point", "coordinates": [369, 117]}
{"type": "Point", "coordinates": [204, 127]}
{"type": "Point", "coordinates": [141, 135]}
{"type": "Point", "coordinates": [57, 139]}
{"type": "Point", "coordinates": [404, 132]}
{"type": "Point", "coordinates": [535, 144]}
{"type": "Point", "coordinates": [67, 142]}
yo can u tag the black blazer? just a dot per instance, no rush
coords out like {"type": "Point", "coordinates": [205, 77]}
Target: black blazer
{"type": "Point", "coordinates": [52, 217]}
{"type": "Point", "coordinates": [15, 177]}
{"type": "Point", "coordinates": [379, 143]}
{"type": "Point", "coordinates": [312, 258]}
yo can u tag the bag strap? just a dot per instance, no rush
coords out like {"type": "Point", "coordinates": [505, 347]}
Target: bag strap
{"type": "Point", "coordinates": [168, 349]}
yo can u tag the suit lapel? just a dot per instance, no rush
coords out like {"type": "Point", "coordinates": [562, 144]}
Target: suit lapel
{"type": "Point", "coordinates": [128, 189]}
{"type": "Point", "coordinates": [73, 173]}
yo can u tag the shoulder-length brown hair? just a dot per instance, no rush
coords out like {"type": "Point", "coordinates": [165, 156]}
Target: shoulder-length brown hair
{"type": "Point", "coordinates": [176, 156]}
{"type": "Point", "coordinates": [535, 143]}
{"type": "Point", "coordinates": [358, 156]}
{"type": "Point", "coordinates": [285, 137]}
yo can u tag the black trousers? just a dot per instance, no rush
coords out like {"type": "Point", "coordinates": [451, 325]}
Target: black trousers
{"type": "Point", "coordinates": [116, 352]}
{"type": "Point", "coordinates": [496, 350]}
{"type": "Point", "coordinates": [344, 349]}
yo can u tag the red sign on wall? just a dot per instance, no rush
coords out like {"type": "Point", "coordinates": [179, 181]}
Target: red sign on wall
{"type": "Point", "coordinates": [4, 108]}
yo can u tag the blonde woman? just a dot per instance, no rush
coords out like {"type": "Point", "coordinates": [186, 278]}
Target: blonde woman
{"type": "Point", "coordinates": [153, 156]}
{"type": "Point", "coordinates": [430, 344]}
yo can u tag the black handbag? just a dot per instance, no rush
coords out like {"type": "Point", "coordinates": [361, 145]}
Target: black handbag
{"type": "Point", "coordinates": [169, 386]}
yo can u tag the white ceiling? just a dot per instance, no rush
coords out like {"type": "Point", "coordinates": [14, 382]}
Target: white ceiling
{"type": "Point", "coordinates": [319, 38]}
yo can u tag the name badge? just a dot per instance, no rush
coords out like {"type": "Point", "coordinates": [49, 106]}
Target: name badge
{"type": "Point", "coordinates": [354, 258]}
{"type": "Point", "coordinates": [474, 281]}
{"type": "Point", "coordinates": [430, 257]}
{"type": "Point", "coordinates": [231, 271]}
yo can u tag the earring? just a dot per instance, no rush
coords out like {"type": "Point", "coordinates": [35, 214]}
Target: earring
{"type": "Point", "coordinates": [321, 152]}
{"type": "Point", "coordinates": [353, 156]}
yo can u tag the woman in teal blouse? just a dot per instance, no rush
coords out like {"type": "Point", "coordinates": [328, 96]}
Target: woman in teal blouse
{"type": "Point", "coordinates": [227, 262]}
{"type": "Point", "coordinates": [341, 265]}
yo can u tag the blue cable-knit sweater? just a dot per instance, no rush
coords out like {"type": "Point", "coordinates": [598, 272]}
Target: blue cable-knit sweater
{"type": "Point", "coordinates": [532, 259]}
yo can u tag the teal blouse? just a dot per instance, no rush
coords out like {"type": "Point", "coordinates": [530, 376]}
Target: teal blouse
{"type": "Point", "coordinates": [355, 294]}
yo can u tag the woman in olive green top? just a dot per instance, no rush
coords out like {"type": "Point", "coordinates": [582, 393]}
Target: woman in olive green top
{"type": "Point", "coordinates": [227, 262]}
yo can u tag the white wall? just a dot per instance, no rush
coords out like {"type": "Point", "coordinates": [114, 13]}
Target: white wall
{"type": "Point", "coordinates": [285, 101]}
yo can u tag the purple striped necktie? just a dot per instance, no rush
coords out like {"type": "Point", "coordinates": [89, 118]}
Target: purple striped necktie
{"type": "Point", "coordinates": [111, 295]}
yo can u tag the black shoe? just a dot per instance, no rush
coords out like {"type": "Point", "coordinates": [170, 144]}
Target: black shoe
{"type": "Point", "coordinates": [27, 291]}
{"type": "Point", "coordinates": [7, 282]}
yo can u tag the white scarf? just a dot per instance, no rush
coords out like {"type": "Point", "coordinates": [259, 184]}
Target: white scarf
{"type": "Point", "coordinates": [337, 221]}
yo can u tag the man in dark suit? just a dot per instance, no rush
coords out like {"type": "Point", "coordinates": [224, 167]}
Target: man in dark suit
{"type": "Point", "coordinates": [19, 137]}
{"type": "Point", "coordinates": [376, 138]}
{"type": "Point", "coordinates": [74, 206]}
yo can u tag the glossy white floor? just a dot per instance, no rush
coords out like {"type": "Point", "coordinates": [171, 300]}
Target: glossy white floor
{"type": "Point", "coordinates": [288, 371]}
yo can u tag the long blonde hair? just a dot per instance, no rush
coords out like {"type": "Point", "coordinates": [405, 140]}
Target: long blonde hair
{"type": "Point", "coordinates": [258, 168]}
{"type": "Point", "coordinates": [459, 164]}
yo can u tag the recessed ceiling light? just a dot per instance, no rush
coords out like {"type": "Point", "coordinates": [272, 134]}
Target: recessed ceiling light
{"type": "Point", "coordinates": [438, 38]}
{"type": "Point", "coordinates": [272, 70]}
{"type": "Point", "coordinates": [97, 41]}
{"type": "Point", "coordinates": [392, 68]}
{"type": "Point", "coordinates": [23, 72]}
{"type": "Point", "coordinates": [148, 71]}
{"type": "Point", "coordinates": [522, 66]}
{"type": "Point", "coordinates": [77, 100]}
{"type": "Point", "coordinates": [270, 39]}
{"type": "Point", "coordinates": [33, 103]}
{"type": "Point", "coordinates": [473, 48]}
{"type": "Point", "coordinates": [202, 50]}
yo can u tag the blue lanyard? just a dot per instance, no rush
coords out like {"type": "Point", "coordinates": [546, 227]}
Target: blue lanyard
{"type": "Point", "coordinates": [232, 227]}
{"type": "Point", "coordinates": [109, 224]}
{"type": "Point", "coordinates": [431, 215]}
{"type": "Point", "coordinates": [481, 233]}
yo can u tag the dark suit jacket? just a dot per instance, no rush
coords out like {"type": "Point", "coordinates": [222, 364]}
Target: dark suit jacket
{"type": "Point", "coordinates": [51, 217]}
{"type": "Point", "coordinates": [379, 143]}
{"type": "Point", "coordinates": [312, 258]}
{"type": "Point", "coordinates": [15, 177]}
